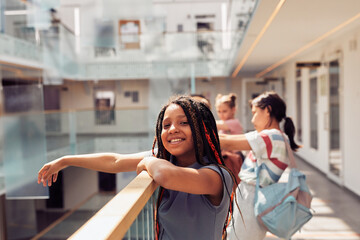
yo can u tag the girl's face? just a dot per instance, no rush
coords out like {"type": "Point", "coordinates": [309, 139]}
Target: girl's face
{"type": "Point", "coordinates": [260, 119]}
{"type": "Point", "coordinates": [225, 112]}
{"type": "Point", "coordinates": [176, 135]}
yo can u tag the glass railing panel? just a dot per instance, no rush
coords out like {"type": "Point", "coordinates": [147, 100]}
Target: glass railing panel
{"type": "Point", "coordinates": [119, 131]}
{"type": "Point", "coordinates": [14, 47]}
{"type": "Point", "coordinates": [69, 50]}
{"type": "Point", "coordinates": [130, 122]}
{"type": "Point", "coordinates": [143, 228]}
{"type": "Point", "coordinates": [5, 44]}
{"type": "Point", "coordinates": [174, 55]}
{"type": "Point", "coordinates": [57, 134]}
{"type": "Point", "coordinates": [24, 141]}
{"type": "Point", "coordinates": [61, 50]}
{"type": "Point", "coordinates": [2, 174]}
{"type": "Point", "coordinates": [173, 46]}
{"type": "Point", "coordinates": [2, 15]}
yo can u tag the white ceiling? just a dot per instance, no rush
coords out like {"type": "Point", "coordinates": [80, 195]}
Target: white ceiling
{"type": "Point", "coordinates": [298, 23]}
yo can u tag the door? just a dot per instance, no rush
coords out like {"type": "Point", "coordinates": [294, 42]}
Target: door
{"type": "Point", "coordinates": [334, 120]}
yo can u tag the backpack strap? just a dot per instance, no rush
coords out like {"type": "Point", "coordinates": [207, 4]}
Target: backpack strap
{"type": "Point", "coordinates": [292, 164]}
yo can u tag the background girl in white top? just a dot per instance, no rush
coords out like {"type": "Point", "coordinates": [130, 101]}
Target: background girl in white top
{"type": "Point", "coordinates": [268, 150]}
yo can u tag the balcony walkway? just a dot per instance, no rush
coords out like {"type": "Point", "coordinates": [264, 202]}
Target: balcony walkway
{"type": "Point", "coordinates": [336, 217]}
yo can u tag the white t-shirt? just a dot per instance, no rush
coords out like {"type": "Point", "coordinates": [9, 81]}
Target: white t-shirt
{"type": "Point", "coordinates": [269, 151]}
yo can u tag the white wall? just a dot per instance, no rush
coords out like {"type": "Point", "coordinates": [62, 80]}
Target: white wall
{"type": "Point", "coordinates": [130, 117]}
{"type": "Point", "coordinates": [351, 126]}
{"type": "Point", "coordinates": [344, 46]}
{"type": "Point", "coordinates": [210, 89]}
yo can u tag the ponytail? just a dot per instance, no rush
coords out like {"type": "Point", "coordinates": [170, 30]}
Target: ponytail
{"type": "Point", "coordinates": [277, 109]}
{"type": "Point", "coordinates": [289, 129]}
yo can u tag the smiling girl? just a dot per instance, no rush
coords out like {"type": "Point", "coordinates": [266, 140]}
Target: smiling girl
{"type": "Point", "coordinates": [195, 187]}
{"type": "Point", "coordinates": [268, 152]}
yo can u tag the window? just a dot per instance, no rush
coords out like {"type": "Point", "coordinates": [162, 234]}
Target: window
{"type": "Point", "coordinates": [129, 34]}
{"type": "Point", "coordinates": [104, 38]}
{"type": "Point", "coordinates": [313, 113]}
{"type": "Point", "coordinates": [105, 108]}
{"type": "Point", "coordinates": [180, 28]}
{"type": "Point", "coordinates": [134, 95]}
{"type": "Point", "coordinates": [298, 111]}
{"type": "Point", "coordinates": [205, 39]}
{"type": "Point", "coordinates": [334, 105]}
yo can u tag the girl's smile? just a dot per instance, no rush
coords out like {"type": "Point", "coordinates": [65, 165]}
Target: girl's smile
{"type": "Point", "coordinates": [176, 140]}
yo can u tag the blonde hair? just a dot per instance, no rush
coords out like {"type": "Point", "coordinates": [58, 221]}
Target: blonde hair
{"type": "Point", "coordinates": [229, 99]}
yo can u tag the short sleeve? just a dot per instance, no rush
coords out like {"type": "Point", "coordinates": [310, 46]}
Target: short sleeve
{"type": "Point", "coordinates": [256, 143]}
{"type": "Point", "coordinates": [225, 176]}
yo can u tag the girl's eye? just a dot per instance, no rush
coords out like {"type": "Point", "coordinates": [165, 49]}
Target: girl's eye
{"type": "Point", "coordinates": [184, 123]}
{"type": "Point", "coordinates": [166, 126]}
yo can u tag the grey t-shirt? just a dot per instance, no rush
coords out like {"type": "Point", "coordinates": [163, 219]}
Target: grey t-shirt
{"type": "Point", "coordinates": [192, 216]}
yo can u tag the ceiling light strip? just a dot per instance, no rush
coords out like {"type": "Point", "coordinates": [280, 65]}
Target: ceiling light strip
{"type": "Point", "coordinates": [312, 43]}
{"type": "Point", "coordinates": [251, 49]}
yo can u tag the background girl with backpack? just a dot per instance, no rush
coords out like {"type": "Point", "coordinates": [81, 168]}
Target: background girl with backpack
{"type": "Point", "coordinates": [268, 152]}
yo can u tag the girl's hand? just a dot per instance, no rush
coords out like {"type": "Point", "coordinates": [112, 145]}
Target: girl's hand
{"type": "Point", "coordinates": [143, 164]}
{"type": "Point", "coordinates": [49, 172]}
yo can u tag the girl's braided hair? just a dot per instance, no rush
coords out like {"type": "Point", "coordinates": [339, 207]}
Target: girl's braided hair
{"type": "Point", "coordinates": [204, 133]}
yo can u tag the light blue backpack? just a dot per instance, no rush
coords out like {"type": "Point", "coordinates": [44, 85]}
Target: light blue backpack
{"type": "Point", "coordinates": [283, 208]}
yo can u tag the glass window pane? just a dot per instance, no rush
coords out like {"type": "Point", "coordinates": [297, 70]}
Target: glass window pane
{"type": "Point", "coordinates": [334, 105]}
{"type": "Point", "coordinates": [298, 111]}
{"type": "Point", "coordinates": [2, 178]}
{"type": "Point", "coordinates": [313, 113]}
{"type": "Point", "coordinates": [24, 141]}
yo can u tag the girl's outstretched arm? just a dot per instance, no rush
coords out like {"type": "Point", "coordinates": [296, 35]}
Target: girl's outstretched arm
{"type": "Point", "coordinates": [221, 125]}
{"type": "Point", "coordinates": [234, 142]}
{"type": "Point", "coordinates": [195, 181]}
{"type": "Point", "coordinates": [104, 162]}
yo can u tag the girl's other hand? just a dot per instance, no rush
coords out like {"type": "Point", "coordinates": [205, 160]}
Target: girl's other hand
{"type": "Point", "coordinates": [49, 172]}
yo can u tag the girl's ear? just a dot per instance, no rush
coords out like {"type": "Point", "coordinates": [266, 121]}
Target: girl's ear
{"type": "Point", "coordinates": [268, 110]}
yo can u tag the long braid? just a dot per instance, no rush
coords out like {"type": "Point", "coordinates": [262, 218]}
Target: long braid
{"type": "Point", "coordinates": [213, 141]}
